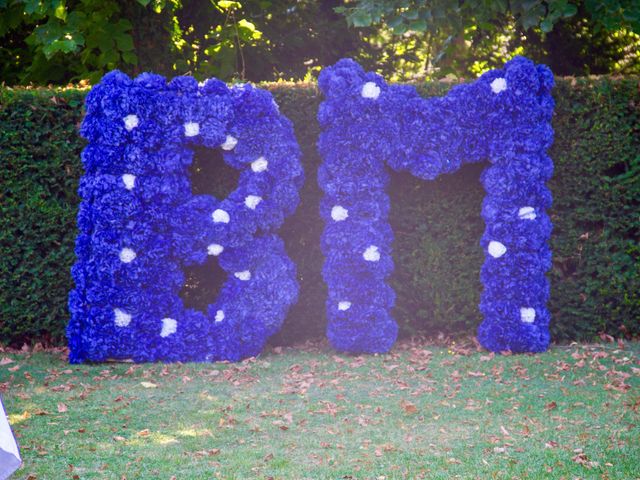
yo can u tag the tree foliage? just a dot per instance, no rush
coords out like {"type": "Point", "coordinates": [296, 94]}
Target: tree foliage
{"type": "Point", "coordinates": [414, 39]}
{"type": "Point", "coordinates": [420, 16]}
{"type": "Point", "coordinates": [44, 40]}
{"type": "Point", "coordinates": [61, 41]}
{"type": "Point", "coordinates": [57, 41]}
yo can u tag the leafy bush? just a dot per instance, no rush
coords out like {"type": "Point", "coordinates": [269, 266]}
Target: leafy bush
{"type": "Point", "coordinates": [39, 148]}
{"type": "Point", "coordinates": [595, 277]}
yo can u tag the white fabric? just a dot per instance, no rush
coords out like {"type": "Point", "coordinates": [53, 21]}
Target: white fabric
{"type": "Point", "coordinates": [339, 213]}
{"type": "Point", "coordinates": [344, 306]}
{"type": "Point", "coordinates": [169, 327]}
{"type": "Point", "coordinates": [498, 85]}
{"type": "Point", "coordinates": [191, 129]}
{"type": "Point", "coordinates": [127, 255]}
{"type": "Point", "coordinates": [370, 90]}
{"type": "Point", "coordinates": [9, 453]}
{"type": "Point", "coordinates": [371, 254]}
{"type": "Point", "coordinates": [215, 249]}
{"type": "Point", "coordinates": [527, 315]}
{"type": "Point", "coordinates": [496, 249]}
{"type": "Point", "coordinates": [259, 165]}
{"type": "Point", "coordinates": [129, 181]}
{"type": "Point", "coordinates": [121, 318]}
{"type": "Point", "coordinates": [245, 275]}
{"type": "Point", "coordinates": [220, 216]}
{"type": "Point", "coordinates": [131, 122]}
{"type": "Point", "coordinates": [252, 201]}
{"type": "Point", "coordinates": [527, 213]}
{"type": "Point", "coordinates": [229, 143]}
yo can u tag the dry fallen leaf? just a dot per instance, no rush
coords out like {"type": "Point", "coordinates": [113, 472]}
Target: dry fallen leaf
{"type": "Point", "coordinates": [5, 361]}
{"type": "Point", "coordinates": [408, 407]}
{"type": "Point", "coordinates": [582, 459]}
{"type": "Point", "coordinates": [148, 385]}
{"type": "Point", "coordinates": [605, 337]}
{"type": "Point", "coordinates": [62, 407]}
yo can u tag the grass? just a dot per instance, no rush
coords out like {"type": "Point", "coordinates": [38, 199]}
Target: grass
{"type": "Point", "coordinates": [422, 411]}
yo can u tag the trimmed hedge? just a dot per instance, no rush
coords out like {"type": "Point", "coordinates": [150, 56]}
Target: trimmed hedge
{"type": "Point", "coordinates": [596, 240]}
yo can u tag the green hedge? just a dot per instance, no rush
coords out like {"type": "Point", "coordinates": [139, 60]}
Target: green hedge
{"type": "Point", "coordinates": [596, 213]}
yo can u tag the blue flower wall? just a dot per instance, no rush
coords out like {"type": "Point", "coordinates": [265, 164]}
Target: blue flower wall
{"type": "Point", "coordinates": [139, 223]}
{"type": "Point", "coordinates": [503, 117]}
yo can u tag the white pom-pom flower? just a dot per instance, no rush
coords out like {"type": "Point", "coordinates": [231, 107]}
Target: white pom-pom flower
{"type": "Point", "coordinates": [219, 316]}
{"type": "Point", "coordinates": [252, 201]}
{"type": "Point", "coordinates": [259, 165]}
{"type": "Point", "coordinates": [370, 90]}
{"type": "Point", "coordinates": [169, 327]}
{"type": "Point", "coordinates": [371, 254]}
{"type": "Point", "coordinates": [344, 305]}
{"type": "Point", "coordinates": [496, 249]}
{"type": "Point", "coordinates": [245, 275]}
{"type": "Point", "coordinates": [229, 143]}
{"type": "Point", "coordinates": [339, 213]}
{"type": "Point", "coordinates": [527, 213]}
{"type": "Point", "coordinates": [121, 318]}
{"type": "Point", "coordinates": [191, 129]}
{"type": "Point", "coordinates": [220, 216]}
{"type": "Point", "coordinates": [131, 122]}
{"type": "Point", "coordinates": [527, 314]}
{"type": "Point", "coordinates": [498, 85]}
{"type": "Point", "coordinates": [127, 255]}
{"type": "Point", "coordinates": [214, 249]}
{"type": "Point", "coordinates": [129, 181]}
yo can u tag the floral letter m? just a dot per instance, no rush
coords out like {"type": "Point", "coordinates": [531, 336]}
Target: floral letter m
{"type": "Point", "coordinates": [503, 117]}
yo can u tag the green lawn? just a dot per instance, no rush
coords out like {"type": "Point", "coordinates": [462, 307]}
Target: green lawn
{"type": "Point", "coordinates": [420, 412]}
